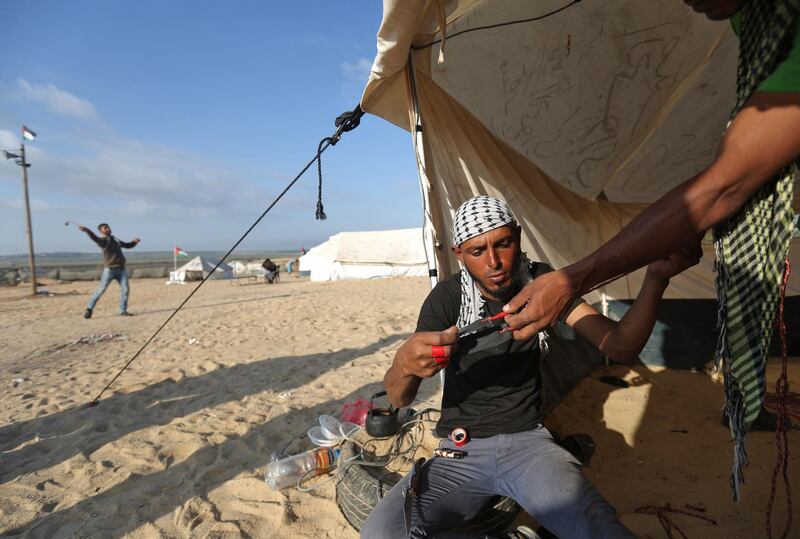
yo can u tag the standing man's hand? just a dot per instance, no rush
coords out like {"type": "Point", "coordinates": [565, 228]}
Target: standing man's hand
{"type": "Point", "coordinates": [679, 261]}
{"type": "Point", "coordinates": [136, 240]}
{"type": "Point", "coordinates": [83, 228]}
{"type": "Point", "coordinates": [539, 304]}
{"type": "Point", "coordinates": [426, 353]}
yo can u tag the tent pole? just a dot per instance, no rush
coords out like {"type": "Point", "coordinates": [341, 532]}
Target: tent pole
{"type": "Point", "coordinates": [418, 140]}
{"type": "Point", "coordinates": [428, 232]}
{"type": "Point", "coordinates": [604, 305]}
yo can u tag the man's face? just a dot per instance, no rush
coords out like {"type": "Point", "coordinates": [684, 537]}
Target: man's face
{"type": "Point", "coordinates": [492, 260]}
{"type": "Point", "coordinates": [716, 10]}
{"type": "Point", "coordinates": [105, 230]}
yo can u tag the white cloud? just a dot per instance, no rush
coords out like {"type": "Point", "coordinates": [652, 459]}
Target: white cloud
{"type": "Point", "coordinates": [357, 71]}
{"type": "Point", "coordinates": [57, 100]}
{"type": "Point", "coordinates": [132, 177]}
{"type": "Point", "coordinates": [8, 140]}
{"type": "Point", "coordinates": [16, 204]}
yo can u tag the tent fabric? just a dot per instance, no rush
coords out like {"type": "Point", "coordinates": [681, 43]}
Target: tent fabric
{"type": "Point", "coordinates": [576, 122]}
{"type": "Point", "coordinates": [603, 97]}
{"type": "Point", "coordinates": [237, 266]}
{"type": "Point", "coordinates": [199, 267]}
{"type": "Point", "coordinates": [367, 255]}
{"type": "Point", "coordinates": [240, 267]}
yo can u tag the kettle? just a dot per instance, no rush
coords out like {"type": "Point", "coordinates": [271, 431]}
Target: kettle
{"type": "Point", "coordinates": [381, 422]}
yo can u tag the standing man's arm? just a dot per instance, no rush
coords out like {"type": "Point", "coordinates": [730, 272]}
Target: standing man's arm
{"type": "Point", "coordinates": [623, 341]}
{"type": "Point", "coordinates": [130, 244]}
{"type": "Point", "coordinates": [101, 242]}
{"type": "Point", "coordinates": [762, 139]}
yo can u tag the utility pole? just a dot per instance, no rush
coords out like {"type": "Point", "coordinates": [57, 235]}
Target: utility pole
{"type": "Point", "coordinates": [29, 228]}
{"type": "Point", "coordinates": [20, 160]}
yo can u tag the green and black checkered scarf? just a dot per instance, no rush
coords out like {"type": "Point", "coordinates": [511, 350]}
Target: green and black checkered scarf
{"type": "Point", "coordinates": [752, 244]}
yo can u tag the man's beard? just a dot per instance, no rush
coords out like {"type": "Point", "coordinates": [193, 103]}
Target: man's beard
{"type": "Point", "coordinates": [508, 291]}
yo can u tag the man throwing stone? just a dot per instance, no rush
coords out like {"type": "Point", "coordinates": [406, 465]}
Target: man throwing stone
{"type": "Point", "coordinates": [113, 267]}
{"type": "Point", "coordinates": [492, 390]}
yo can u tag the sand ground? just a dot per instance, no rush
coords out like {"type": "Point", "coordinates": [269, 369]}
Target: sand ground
{"type": "Point", "coordinates": [178, 445]}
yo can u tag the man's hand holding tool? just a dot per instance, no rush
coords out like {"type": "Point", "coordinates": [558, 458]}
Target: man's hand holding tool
{"type": "Point", "coordinates": [428, 352]}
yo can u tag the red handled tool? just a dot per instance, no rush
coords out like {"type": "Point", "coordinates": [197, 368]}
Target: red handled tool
{"type": "Point", "coordinates": [484, 325]}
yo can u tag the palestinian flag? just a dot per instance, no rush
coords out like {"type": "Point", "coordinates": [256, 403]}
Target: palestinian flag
{"type": "Point", "coordinates": [179, 252]}
{"type": "Point", "coordinates": [27, 134]}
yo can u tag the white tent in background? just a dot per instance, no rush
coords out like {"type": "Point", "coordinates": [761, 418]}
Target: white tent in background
{"type": "Point", "coordinates": [197, 268]}
{"type": "Point", "coordinates": [367, 255]}
{"type": "Point", "coordinates": [238, 267]}
{"type": "Point", "coordinates": [241, 267]}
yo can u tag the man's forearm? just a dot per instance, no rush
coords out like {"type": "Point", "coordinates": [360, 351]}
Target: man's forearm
{"type": "Point", "coordinates": [762, 139]}
{"type": "Point", "coordinates": [94, 238]}
{"type": "Point", "coordinates": [655, 233]}
{"type": "Point", "coordinates": [630, 334]}
{"type": "Point", "coordinates": [400, 388]}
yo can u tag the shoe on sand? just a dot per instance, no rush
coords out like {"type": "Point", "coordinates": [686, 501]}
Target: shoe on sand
{"type": "Point", "coordinates": [125, 313]}
{"type": "Point", "coordinates": [88, 313]}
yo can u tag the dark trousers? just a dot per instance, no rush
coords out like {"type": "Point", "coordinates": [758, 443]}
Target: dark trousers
{"type": "Point", "coordinates": [528, 466]}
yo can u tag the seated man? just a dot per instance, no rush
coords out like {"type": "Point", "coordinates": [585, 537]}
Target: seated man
{"type": "Point", "coordinates": [270, 271]}
{"type": "Point", "coordinates": [492, 390]}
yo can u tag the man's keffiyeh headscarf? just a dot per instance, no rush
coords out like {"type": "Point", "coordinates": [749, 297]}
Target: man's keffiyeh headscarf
{"type": "Point", "coordinates": [474, 217]}
{"type": "Point", "coordinates": [752, 244]}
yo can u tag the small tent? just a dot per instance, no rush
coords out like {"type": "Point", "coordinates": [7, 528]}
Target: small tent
{"type": "Point", "coordinates": [367, 255]}
{"type": "Point", "coordinates": [197, 268]}
{"type": "Point", "coordinates": [239, 267]}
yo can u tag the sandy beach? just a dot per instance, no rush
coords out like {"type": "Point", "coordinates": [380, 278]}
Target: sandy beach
{"type": "Point", "coordinates": [178, 445]}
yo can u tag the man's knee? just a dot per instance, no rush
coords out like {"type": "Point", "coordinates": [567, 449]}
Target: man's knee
{"type": "Point", "coordinates": [382, 523]}
{"type": "Point", "coordinates": [387, 519]}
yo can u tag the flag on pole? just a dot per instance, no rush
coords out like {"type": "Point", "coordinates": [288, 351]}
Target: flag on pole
{"type": "Point", "coordinates": [27, 134]}
{"type": "Point", "coordinates": [180, 252]}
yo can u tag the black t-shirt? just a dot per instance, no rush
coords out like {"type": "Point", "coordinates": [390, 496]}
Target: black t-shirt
{"type": "Point", "coordinates": [495, 389]}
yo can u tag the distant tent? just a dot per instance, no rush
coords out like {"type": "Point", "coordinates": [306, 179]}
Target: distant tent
{"type": "Point", "coordinates": [367, 255]}
{"type": "Point", "coordinates": [200, 266]}
{"type": "Point", "coordinates": [238, 266]}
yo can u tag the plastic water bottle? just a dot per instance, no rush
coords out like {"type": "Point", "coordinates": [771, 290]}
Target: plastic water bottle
{"type": "Point", "coordinates": [286, 472]}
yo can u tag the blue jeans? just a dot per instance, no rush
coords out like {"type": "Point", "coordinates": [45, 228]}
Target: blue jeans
{"type": "Point", "coordinates": [108, 275]}
{"type": "Point", "coordinates": [527, 466]}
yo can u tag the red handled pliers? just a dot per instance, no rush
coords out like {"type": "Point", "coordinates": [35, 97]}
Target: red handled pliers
{"type": "Point", "coordinates": [484, 325]}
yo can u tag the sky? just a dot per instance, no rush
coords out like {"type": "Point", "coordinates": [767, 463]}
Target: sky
{"type": "Point", "coordinates": [179, 122]}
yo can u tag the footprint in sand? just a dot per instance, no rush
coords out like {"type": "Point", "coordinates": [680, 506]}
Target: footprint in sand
{"type": "Point", "coordinates": [166, 459]}
{"type": "Point", "coordinates": [194, 513]}
{"type": "Point", "coordinates": [201, 518]}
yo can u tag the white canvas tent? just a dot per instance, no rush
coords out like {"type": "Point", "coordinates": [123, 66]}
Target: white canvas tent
{"type": "Point", "coordinates": [240, 267]}
{"type": "Point", "coordinates": [577, 119]}
{"type": "Point", "coordinates": [198, 268]}
{"type": "Point", "coordinates": [237, 266]}
{"type": "Point", "coordinates": [367, 255]}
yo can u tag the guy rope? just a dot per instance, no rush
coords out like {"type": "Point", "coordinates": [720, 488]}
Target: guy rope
{"type": "Point", "coordinates": [344, 122]}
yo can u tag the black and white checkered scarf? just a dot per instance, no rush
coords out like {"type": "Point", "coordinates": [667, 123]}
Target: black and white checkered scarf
{"type": "Point", "coordinates": [474, 217]}
{"type": "Point", "coordinates": [752, 244]}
